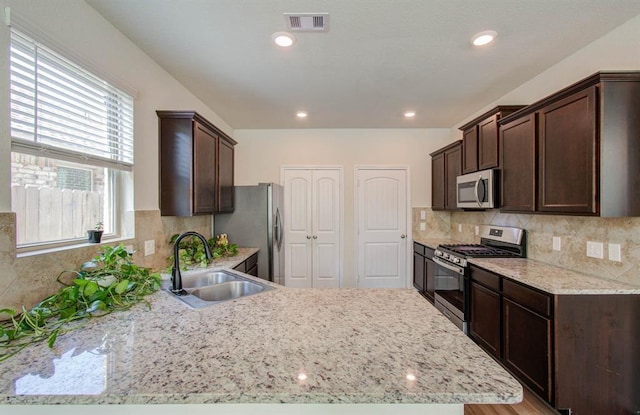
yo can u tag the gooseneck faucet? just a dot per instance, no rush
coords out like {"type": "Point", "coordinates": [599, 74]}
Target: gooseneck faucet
{"type": "Point", "coordinates": [176, 276]}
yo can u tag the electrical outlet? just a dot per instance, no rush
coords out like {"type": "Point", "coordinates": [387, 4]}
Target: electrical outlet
{"type": "Point", "coordinates": [423, 226]}
{"type": "Point", "coordinates": [595, 249]}
{"type": "Point", "coordinates": [477, 230]}
{"type": "Point", "coordinates": [149, 247]}
{"type": "Point", "coordinates": [459, 227]}
{"type": "Point", "coordinates": [423, 215]}
{"type": "Point", "coordinates": [615, 253]}
{"type": "Point", "coordinates": [556, 243]}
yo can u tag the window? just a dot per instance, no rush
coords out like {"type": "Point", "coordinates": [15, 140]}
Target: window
{"type": "Point", "coordinates": [72, 147]}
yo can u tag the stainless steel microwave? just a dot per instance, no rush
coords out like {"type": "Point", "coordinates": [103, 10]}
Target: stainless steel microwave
{"type": "Point", "coordinates": [477, 190]}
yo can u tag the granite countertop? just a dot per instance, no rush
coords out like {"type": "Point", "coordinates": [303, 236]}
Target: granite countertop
{"type": "Point", "coordinates": [282, 346]}
{"type": "Point", "coordinates": [434, 242]}
{"type": "Point", "coordinates": [552, 279]}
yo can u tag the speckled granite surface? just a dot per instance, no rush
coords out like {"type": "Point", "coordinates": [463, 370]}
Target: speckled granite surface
{"type": "Point", "coordinates": [282, 346]}
{"type": "Point", "coordinates": [545, 277]}
{"type": "Point", "coordinates": [552, 279]}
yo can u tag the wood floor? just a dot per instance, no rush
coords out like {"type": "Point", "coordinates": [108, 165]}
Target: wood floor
{"type": "Point", "coordinates": [530, 405]}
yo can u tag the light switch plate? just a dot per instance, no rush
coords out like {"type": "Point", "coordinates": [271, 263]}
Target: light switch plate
{"type": "Point", "coordinates": [615, 253]}
{"type": "Point", "coordinates": [595, 249]}
{"type": "Point", "coordinates": [149, 247]}
{"type": "Point", "coordinates": [423, 226]}
{"type": "Point", "coordinates": [477, 230]}
{"type": "Point", "coordinates": [423, 215]}
{"type": "Point", "coordinates": [556, 243]}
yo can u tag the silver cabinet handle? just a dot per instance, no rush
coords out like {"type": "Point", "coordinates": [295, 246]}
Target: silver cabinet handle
{"type": "Point", "coordinates": [403, 236]}
{"type": "Point", "coordinates": [315, 236]}
{"type": "Point", "coordinates": [308, 236]}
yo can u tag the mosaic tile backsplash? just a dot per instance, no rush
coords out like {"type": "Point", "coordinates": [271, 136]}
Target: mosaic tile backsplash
{"type": "Point", "coordinates": [26, 280]}
{"type": "Point", "coordinates": [574, 232]}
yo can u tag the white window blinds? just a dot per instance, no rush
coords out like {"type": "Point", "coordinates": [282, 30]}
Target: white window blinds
{"type": "Point", "coordinates": [59, 110]}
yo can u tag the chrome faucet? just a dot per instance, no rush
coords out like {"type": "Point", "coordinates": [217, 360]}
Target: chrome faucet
{"type": "Point", "coordinates": [176, 276]}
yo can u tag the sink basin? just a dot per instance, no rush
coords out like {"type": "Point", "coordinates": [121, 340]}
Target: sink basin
{"type": "Point", "coordinates": [206, 287]}
{"type": "Point", "coordinates": [200, 279]}
{"type": "Point", "coordinates": [227, 290]}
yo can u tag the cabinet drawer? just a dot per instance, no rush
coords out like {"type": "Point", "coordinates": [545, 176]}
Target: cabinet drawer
{"type": "Point", "coordinates": [428, 252]}
{"type": "Point", "coordinates": [527, 297]}
{"type": "Point", "coordinates": [486, 278]}
{"type": "Point", "coordinates": [251, 261]}
{"type": "Point", "coordinates": [418, 248]}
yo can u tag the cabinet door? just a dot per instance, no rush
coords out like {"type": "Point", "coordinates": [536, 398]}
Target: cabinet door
{"type": "Point", "coordinates": [205, 144]}
{"type": "Point", "coordinates": [527, 347]}
{"type": "Point", "coordinates": [430, 279]}
{"type": "Point", "coordinates": [225, 176]}
{"type": "Point", "coordinates": [453, 165]}
{"type": "Point", "coordinates": [568, 148]}
{"type": "Point", "coordinates": [418, 272]}
{"type": "Point", "coordinates": [438, 183]}
{"type": "Point", "coordinates": [470, 150]}
{"type": "Point", "coordinates": [518, 170]}
{"type": "Point", "coordinates": [488, 148]}
{"type": "Point", "coordinates": [485, 317]}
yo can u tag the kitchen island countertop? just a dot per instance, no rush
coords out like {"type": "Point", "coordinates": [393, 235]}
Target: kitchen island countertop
{"type": "Point", "coordinates": [282, 346]}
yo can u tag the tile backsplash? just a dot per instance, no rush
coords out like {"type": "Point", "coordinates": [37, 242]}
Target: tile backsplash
{"type": "Point", "coordinates": [573, 231]}
{"type": "Point", "coordinates": [27, 279]}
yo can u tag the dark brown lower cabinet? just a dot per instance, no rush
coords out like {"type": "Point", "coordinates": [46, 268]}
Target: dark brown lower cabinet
{"type": "Point", "coordinates": [484, 327]}
{"type": "Point", "coordinates": [423, 270]}
{"type": "Point", "coordinates": [249, 266]}
{"type": "Point", "coordinates": [430, 277]}
{"type": "Point", "coordinates": [527, 347]}
{"type": "Point", "coordinates": [578, 352]}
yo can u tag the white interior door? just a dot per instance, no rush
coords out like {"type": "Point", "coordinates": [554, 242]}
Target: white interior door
{"type": "Point", "coordinates": [312, 227]}
{"type": "Point", "coordinates": [297, 228]}
{"type": "Point", "coordinates": [326, 229]}
{"type": "Point", "coordinates": [382, 227]}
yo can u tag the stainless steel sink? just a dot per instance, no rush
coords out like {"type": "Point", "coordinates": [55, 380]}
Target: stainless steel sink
{"type": "Point", "coordinates": [206, 287]}
{"type": "Point", "coordinates": [200, 279]}
{"type": "Point", "coordinates": [227, 290]}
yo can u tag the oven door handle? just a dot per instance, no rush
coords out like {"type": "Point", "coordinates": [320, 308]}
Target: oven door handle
{"type": "Point", "coordinates": [457, 270]}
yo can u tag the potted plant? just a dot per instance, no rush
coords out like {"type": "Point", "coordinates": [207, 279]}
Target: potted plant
{"type": "Point", "coordinates": [95, 235]}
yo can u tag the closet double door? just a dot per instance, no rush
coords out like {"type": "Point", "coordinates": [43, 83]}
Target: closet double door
{"type": "Point", "coordinates": [312, 203]}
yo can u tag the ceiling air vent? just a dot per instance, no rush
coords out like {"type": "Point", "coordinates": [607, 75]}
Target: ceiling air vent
{"type": "Point", "coordinates": [307, 22]}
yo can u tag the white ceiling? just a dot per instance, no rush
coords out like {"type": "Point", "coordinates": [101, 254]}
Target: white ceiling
{"type": "Point", "coordinates": [379, 58]}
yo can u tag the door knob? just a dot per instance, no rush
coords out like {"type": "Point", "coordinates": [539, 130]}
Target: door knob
{"type": "Point", "coordinates": [403, 236]}
{"type": "Point", "coordinates": [308, 236]}
{"type": "Point", "coordinates": [315, 236]}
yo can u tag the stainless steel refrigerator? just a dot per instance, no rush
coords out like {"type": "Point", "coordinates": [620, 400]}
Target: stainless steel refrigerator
{"type": "Point", "coordinates": [256, 222]}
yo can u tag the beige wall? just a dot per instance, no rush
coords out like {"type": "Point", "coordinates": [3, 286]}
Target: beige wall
{"type": "Point", "coordinates": [261, 153]}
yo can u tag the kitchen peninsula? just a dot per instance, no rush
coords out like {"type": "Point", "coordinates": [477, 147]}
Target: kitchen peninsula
{"type": "Point", "coordinates": [354, 350]}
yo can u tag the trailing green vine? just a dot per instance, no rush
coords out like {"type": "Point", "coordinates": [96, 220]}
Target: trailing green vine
{"type": "Point", "coordinates": [112, 282]}
{"type": "Point", "coordinates": [192, 253]}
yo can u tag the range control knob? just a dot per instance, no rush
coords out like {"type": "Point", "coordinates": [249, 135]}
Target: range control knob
{"type": "Point", "coordinates": [456, 260]}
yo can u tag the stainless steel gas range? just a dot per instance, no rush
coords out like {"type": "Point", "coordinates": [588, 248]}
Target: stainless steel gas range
{"type": "Point", "coordinates": [451, 271]}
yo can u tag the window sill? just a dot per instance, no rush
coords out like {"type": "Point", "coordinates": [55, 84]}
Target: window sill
{"type": "Point", "coordinates": [28, 252]}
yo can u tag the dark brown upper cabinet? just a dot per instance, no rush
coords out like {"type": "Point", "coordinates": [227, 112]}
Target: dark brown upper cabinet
{"type": "Point", "coordinates": [480, 139]}
{"type": "Point", "coordinates": [519, 165]}
{"type": "Point", "coordinates": [196, 165]}
{"type": "Point", "coordinates": [446, 166]}
{"type": "Point", "coordinates": [587, 149]}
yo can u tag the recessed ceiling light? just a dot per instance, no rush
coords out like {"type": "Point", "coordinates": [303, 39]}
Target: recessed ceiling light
{"type": "Point", "coordinates": [283, 39]}
{"type": "Point", "coordinates": [409, 114]}
{"type": "Point", "coordinates": [301, 114]}
{"type": "Point", "coordinates": [483, 38]}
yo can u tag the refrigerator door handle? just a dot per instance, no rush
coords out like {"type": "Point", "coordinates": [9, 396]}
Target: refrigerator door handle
{"type": "Point", "coordinates": [278, 230]}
